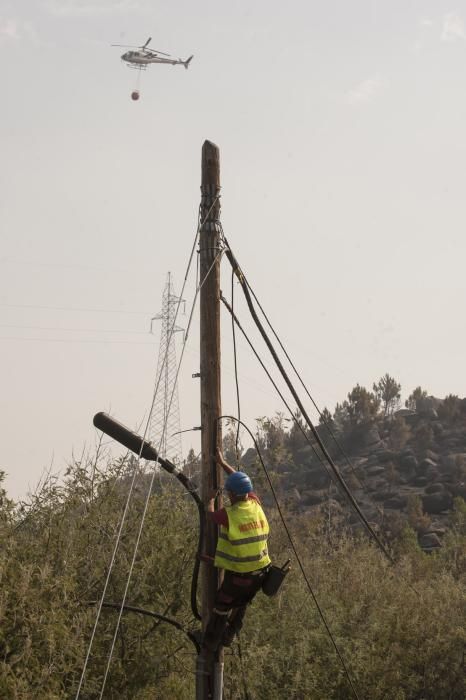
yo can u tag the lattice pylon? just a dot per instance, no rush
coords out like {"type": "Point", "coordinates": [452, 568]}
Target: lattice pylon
{"type": "Point", "coordinates": [164, 426]}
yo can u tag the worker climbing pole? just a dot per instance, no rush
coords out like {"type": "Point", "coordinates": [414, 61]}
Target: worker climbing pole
{"type": "Point", "coordinates": [210, 668]}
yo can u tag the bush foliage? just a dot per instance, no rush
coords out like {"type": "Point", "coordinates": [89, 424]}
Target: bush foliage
{"type": "Point", "coordinates": [400, 627]}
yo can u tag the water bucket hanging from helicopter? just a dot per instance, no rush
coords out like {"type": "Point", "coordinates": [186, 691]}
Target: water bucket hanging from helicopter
{"type": "Point", "coordinates": [135, 95]}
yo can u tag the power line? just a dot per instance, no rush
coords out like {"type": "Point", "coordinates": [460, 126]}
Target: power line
{"type": "Point", "coordinates": [75, 340]}
{"type": "Point", "coordinates": [331, 463]}
{"type": "Point", "coordinates": [73, 308]}
{"type": "Point", "coordinates": [74, 330]}
{"type": "Point", "coordinates": [130, 492]}
{"type": "Point", "coordinates": [275, 386]}
{"type": "Point", "coordinates": [324, 422]}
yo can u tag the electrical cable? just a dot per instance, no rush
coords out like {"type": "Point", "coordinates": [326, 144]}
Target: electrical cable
{"type": "Point", "coordinates": [298, 559]}
{"type": "Point", "coordinates": [324, 422]}
{"type": "Point", "coordinates": [238, 404]}
{"type": "Point", "coordinates": [71, 308]}
{"type": "Point", "coordinates": [74, 330]}
{"type": "Point", "coordinates": [131, 488]}
{"type": "Point", "coordinates": [300, 405]}
{"type": "Point", "coordinates": [149, 490]}
{"type": "Point", "coordinates": [158, 616]}
{"type": "Point", "coordinates": [274, 384]}
{"type": "Point", "coordinates": [293, 416]}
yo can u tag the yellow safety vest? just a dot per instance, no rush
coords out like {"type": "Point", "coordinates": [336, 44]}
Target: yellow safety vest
{"type": "Point", "coordinates": [242, 546]}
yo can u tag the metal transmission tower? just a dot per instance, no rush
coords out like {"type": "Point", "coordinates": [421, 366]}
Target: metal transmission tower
{"type": "Point", "coordinates": [164, 426]}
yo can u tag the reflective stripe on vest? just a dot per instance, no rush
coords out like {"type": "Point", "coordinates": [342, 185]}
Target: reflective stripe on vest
{"type": "Point", "coordinates": [242, 546]}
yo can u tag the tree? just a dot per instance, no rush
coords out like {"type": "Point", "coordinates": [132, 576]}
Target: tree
{"type": "Point", "coordinates": [192, 464]}
{"type": "Point", "coordinates": [414, 397]}
{"type": "Point", "coordinates": [232, 446]}
{"type": "Point", "coordinates": [362, 406]}
{"type": "Point", "coordinates": [341, 417]}
{"type": "Point", "coordinates": [388, 392]}
{"type": "Point", "coordinates": [296, 438]}
{"type": "Point", "coordinates": [450, 409]}
{"type": "Point", "coordinates": [271, 431]}
{"type": "Point", "coordinates": [325, 418]}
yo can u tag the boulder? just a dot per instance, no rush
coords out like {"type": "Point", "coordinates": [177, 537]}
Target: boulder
{"type": "Point", "coordinates": [370, 436]}
{"type": "Point", "coordinates": [381, 495]}
{"type": "Point", "coordinates": [375, 471]}
{"type": "Point", "coordinates": [458, 490]}
{"type": "Point", "coordinates": [397, 502]}
{"type": "Point", "coordinates": [312, 498]}
{"type": "Point", "coordinates": [407, 463]}
{"type": "Point", "coordinates": [434, 503]}
{"type": "Point", "coordinates": [428, 405]}
{"type": "Point", "coordinates": [318, 479]}
{"type": "Point", "coordinates": [384, 456]}
{"type": "Point", "coordinates": [425, 466]}
{"type": "Point", "coordinates": [429, 541]}
{"type": "Point", "coordinates": [404, 412]}
{"type": "Point", "coordinates": [409, 416]}
{"type": "Point", "coordinates": [435, 488]}
{"type": "Point", "coordinates": [450, 461]}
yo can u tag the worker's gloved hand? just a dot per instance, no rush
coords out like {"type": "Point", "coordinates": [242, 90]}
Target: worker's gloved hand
{"type": "Point", "coordinates": [220, 458]}
{"type": "Point", "coordinates": [211, 496]}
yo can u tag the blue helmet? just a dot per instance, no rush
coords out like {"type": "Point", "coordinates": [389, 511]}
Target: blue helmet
{"type": "Point", "coordinates": [239, 483]}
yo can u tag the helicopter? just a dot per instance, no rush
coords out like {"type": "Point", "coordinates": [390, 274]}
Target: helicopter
{"type": "Point", "coordinates": [143, 57]}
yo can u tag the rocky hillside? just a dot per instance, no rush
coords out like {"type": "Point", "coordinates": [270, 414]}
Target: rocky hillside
{"type": "Point", "coordinates": [404, 468]}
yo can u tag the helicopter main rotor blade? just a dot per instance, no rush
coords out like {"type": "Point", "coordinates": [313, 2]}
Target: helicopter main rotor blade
{"type": "Point", "coordinates": [156, 51]}
{"type": "Point", "coordinates": [143, 48]}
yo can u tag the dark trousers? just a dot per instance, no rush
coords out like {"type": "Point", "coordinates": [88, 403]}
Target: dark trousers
{"type": "Point", "coordinates": [230, 604]}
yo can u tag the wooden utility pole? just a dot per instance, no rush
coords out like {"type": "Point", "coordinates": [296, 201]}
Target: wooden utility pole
{"type": "Point", "coordinates": [209, 670]}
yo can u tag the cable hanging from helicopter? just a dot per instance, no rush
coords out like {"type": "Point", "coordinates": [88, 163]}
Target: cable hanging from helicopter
{"type": "Point", "coordinates": [143, 57]}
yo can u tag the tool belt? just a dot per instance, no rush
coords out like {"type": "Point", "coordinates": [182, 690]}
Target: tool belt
{"type": "Point", "coordinates": [249, 574]}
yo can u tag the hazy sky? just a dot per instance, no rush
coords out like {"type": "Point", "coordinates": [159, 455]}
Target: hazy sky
{"type": "Point", "coordinates": [341, 127]}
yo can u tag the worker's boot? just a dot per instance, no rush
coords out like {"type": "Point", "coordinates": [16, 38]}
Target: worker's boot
{"type": "Point", "coordinates": [234, 625]}
{"type": "Point", "coordinates": [228, 636]}
{"type": "Point", "coordinates": [214, 631]}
